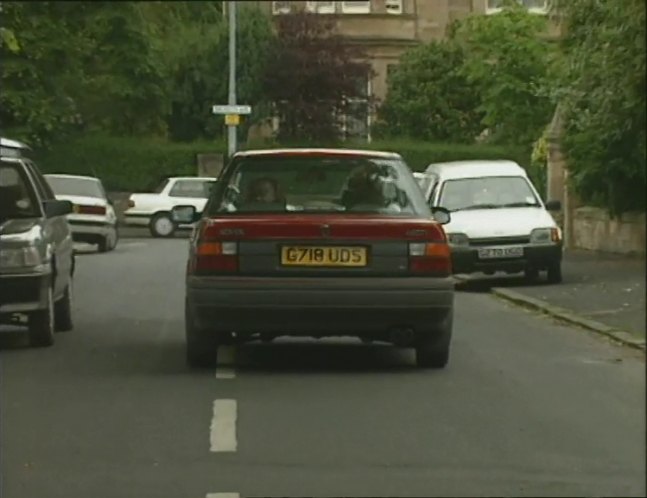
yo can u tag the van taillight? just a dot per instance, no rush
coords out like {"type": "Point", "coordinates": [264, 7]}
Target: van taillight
{"type": "Point", "coordinates": [430, 258]}
{"type": "Point", "coordinates": [212, 257]}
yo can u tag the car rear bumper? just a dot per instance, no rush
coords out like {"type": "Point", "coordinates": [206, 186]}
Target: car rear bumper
{"type": "Point", "coordinates": [327, 306]}
{"type": "Point", "coordinates": [82, 229]}
{"type": "Point", "coordinates": [23, 293]}
{"type": "Point", "coordinates": [466, 260]}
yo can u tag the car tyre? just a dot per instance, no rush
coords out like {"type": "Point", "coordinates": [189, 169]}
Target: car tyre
{"type": "Point", "coordinates": [432, 349]}
{"type": "Point", "coordinates": [162, 226]}
{"type": "Point", "coordinates": [63, 311]}
{"type": "Point", "coordinates": [201, 344]}
{"type": "Point", "coordinates": [41, 324]}
{"type": "Point", "coordinates": [554, 272]}
{"type": "Point", "coordinates": [104, 244]}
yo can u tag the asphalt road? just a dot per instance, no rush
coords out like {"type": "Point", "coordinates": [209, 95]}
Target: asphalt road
{"type": "Point", "coordinates": [526, 407]}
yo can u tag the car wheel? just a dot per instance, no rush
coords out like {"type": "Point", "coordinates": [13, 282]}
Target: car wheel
{"type": "Point", "coordinates": [41, 324]}
{"type": "Point", "coordinates": [201, 344]}
{"type": "Point", "coordinates": [432, 349]}
{"type": "Point", "coordinates": [162, 225]}
{"type": "Point", "coordinates": [104, 244]}
{"type": "Point", "coordinates": [115, 239]}
{"type": "Point", "coordinates": [554, 272]}
{"type": "Point", "coordinates": [63, 311]}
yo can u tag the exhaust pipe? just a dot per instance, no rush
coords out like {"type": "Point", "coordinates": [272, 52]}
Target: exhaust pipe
{"type": "Point", "coordinates": [402, 336]}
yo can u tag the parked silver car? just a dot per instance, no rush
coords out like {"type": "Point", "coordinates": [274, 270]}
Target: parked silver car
{"type": "Point", "coordinates": [36, 248]}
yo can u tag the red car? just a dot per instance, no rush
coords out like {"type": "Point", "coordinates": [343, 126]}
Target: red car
{"type": "Point", "coordinates": [315, 243]}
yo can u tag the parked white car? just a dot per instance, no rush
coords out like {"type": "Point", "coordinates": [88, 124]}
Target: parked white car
{"type": "Point", "coordinates": [425, 182]}
{"type": "Point", "coordinates": [154, 209]}
{"type": "Point", "coordinates": [498, 220]}
{"type": "Point", "coordinates": [93, 219]}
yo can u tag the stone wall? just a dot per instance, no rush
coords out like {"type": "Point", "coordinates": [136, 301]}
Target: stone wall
{"type": "Point", "coordinates": [595, 230]}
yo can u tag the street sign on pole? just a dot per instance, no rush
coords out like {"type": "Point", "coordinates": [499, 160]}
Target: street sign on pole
{"type": "Point", "coordinates": [231, 109]}
{"type": "Point", "coordinates": [232, 119]}
{"type": "Point", "coordinates": [231, 135]}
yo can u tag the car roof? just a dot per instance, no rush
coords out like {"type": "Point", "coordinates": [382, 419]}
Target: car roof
{"type": "Point", "coordinates": [204, 178]}
{"type": "Point", "coordinates": [12, 148]}
{"type": "Point", "coordinates": [475, 168]}
{"type": "Point", "coordinates": [73, 177]}
{"type": "Point", "coordinates": [318, 152]}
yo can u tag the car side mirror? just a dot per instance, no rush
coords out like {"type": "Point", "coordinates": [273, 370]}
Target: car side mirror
{"type": "Point", "coordinates": [441, 215]}
{"type": "Point", "coordinates": [54, 208]}
{"type": "Point", "coordinates": [184, 214]}
{"type": "Point", "coordinates": [553, 205]}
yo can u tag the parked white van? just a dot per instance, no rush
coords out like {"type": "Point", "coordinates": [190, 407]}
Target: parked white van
{"type": "Point", "coordinates": [498, 220]}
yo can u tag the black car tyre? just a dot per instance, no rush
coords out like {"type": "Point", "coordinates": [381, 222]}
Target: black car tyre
{"type": "Point", "coordinates": [104, 244]}
{"type": "Point", "coordinates": [201, 344]}
{"type": "Point", "coordinates": [162, 225]}
{"type": "Point", "coordinates": [63, 311]}
{"type": "Point", "coordinates": [554, 273]}
{"type": "Point", "coordinates": [432, 349]}
{"type": "Point", "coordinates": [41, 324]}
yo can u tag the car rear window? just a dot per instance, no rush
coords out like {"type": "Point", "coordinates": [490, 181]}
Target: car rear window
{"type": "Point", "coordinates": [84, 187]}
{"type": "Point", "coordinates": [316, 184]}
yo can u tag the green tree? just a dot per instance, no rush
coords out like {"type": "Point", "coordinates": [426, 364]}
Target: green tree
{"type": "Point", "coordinates": [507, 59]}
{"type": "Point", "coordinates": [602, 97]}
{"type": "Point", "coordinates": [429, 98]}
{"type": "Point", "coordinates": [200, 73]}
{"type": "Point", "coordinates": [312, 78]}
{"type": "Point", "coordinates": [36, 103]}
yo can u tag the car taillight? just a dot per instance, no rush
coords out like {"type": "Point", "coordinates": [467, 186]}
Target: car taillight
{"type": "Point", "coordinates": [430, 258]}
{"type": "Point", "coordinates": [98, 210]}
{"type": "Point", "coordinates": [211, 257]}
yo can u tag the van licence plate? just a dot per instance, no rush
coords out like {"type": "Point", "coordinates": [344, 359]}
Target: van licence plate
{"type": "Point", "coordinates": [500, 252]}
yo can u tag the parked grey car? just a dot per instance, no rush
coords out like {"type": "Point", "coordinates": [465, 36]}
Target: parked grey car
{"type": "Point", "coordinates": [36, 248]}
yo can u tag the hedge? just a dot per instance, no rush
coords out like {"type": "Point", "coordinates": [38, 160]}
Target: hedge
{"type": "Point", "coordinates": [125, 163]}
{"type": "Point", "coordinates": [129, 164]}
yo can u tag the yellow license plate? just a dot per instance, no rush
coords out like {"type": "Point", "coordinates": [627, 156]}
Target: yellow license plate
{"type": "Point", "coordinates": [323, 256]}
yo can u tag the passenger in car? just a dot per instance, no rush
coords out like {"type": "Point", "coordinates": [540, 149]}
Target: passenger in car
{"type": "Point", "coordinates": [363, 190]}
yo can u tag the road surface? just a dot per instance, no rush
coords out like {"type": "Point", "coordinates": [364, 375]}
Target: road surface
{"type": "Point", "coordinates": [526, 407]}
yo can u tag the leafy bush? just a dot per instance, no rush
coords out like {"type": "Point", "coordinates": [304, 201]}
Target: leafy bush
{"type": "Point", "coordinates": [602, 100]}
{"type": "Point", "coordinates": [125, 163]}
{"type": "Point", "coordinates": [129, 164]}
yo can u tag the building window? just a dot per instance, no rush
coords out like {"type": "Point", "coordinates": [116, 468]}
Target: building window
{"type": "Point", "coordinates": [321, 7]}
{"type": "Point", "coordinates": [356, 7]}
{"type": "Point", "coordinates": [281, 8]}
{"type": "Point", "coordinates": [533, 6]}
{"type": "Point", "coordinates": [393, 6]}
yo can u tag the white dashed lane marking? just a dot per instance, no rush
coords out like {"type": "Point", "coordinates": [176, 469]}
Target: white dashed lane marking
{"type": "Point", "coordinates": [223, 495]}
{"type": "Point", "coordinates": [222, 436]}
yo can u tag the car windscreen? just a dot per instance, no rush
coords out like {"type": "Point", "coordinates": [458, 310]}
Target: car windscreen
{"type": "Point", "coordinates": [487, 193]}
{"type": "Point", "coordinates": [318, 184]}
{"type": "Point", "coordinates": [17, 196]}
{"type": "Point", "coordinates": [75, 186]}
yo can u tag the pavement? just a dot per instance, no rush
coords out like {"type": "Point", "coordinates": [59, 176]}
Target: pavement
{"type": "Point", "coordinates": [601, 292]}
{"type": "Point", "coordinates": [526, 407]}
